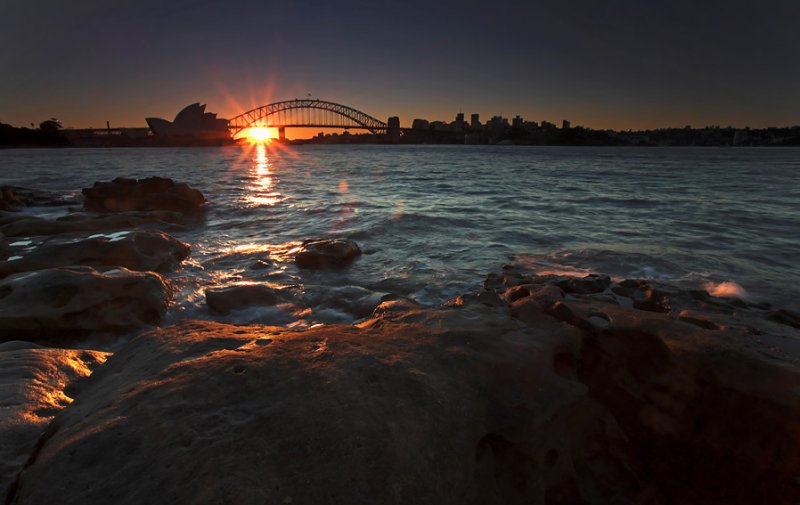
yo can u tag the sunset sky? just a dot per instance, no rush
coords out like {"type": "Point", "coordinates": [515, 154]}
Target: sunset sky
{"type": "Point", "coordinates": [603, 64]}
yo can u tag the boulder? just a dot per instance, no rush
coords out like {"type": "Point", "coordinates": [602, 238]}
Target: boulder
{"type": "Point", "coordinates": [58, 302]}
{"type": "Point", "coordinates": [239, 296]}
{"type": "Point", "coordinates": [33, 388]}
{"type": "Point", "coordinates": [152, 193]}
{"type": "Point", "coordinates": [135, 250]}
{"type": "Point", "coordinates": [326, 253]}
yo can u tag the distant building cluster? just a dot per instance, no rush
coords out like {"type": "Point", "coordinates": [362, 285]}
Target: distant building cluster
{"type": "Point", "coordinates": [495, 130]}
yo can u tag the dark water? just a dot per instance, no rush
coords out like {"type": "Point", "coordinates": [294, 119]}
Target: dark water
{"type": "Point", "coordinates": [433, 220]}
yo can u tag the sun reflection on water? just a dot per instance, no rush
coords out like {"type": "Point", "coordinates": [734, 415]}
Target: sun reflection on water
{"type": "Point", "coordinates": [263, 193]}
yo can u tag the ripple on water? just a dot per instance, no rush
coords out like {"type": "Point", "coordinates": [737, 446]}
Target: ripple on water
{"type": "Point", "coordinates": [691, 215]}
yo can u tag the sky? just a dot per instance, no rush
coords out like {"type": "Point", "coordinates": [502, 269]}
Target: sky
{"type": "Point", "coordinates": [619, 64]}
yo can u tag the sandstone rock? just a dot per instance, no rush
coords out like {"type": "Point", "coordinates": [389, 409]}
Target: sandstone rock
{"type": "Point", "coordinates": [326, 253]}
{"type": "Point", "coordinates": [152, 193]}
{"type": "Point", "coordinates": [240, 296]}
{"type": "Point", "coordinates": [33, 384]}
{"type": "Point", "coordinates": [135, 250]}
{"type": "Point", "coordinates": [461, 406]}
{"type": "Point", "coordinates": [72, 300]}
{"type": "Point", "coordinates": [518, 395]}
{"type": "Point", "coordinates": [709, 407]}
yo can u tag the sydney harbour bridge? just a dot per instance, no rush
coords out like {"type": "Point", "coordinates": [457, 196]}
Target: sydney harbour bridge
{"type": "Point", "coordinates": [305, 113]}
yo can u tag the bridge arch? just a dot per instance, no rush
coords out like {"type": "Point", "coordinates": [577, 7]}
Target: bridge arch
{"type": "Point", "coordinates": [306, 113]}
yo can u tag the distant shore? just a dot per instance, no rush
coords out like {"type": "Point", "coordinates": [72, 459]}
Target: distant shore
{"type": "Point", "coordinates": [711, 136]}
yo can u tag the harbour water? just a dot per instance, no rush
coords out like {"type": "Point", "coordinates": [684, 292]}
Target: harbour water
{"type": "Point", "coordinates": [432, 221]}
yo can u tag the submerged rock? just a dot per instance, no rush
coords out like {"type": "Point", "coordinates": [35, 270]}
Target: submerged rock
{"type": "Point", "coordinates": [33, 388]}
{"type": "Point", "coordinates": [57, 302]}
{"type": "Point", "coordinates": [27, 226]}
{"type": "Point", "coordinates": [239, 296]}
{"type": "Point", "coordinates": [15, 198]}
{"type": "Point", "coordinates": [135, 250]}
{"type": "Point", "coordinates": [152, 193]}
{"type": "Point", "coordinates": [9, 200]}
{"type": "Point", "coordinates": [326, 253]}
{"type": "Point", "coordinates": [585, 285]}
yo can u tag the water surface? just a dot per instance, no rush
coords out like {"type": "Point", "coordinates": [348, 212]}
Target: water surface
{"type": "Point", "coordinates": [433, 220]}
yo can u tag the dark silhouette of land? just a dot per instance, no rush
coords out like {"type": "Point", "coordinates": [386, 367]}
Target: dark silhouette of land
{"type": "Point", "coordinates": [549, 135]}
{"type": "Point", "coordinates": [50, 134]}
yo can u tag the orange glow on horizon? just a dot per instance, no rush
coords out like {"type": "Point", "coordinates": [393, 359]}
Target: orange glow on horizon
{"type": "Point", "coordinates": [259, 134]}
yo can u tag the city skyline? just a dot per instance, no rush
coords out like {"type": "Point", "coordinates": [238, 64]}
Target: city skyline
{"type": "Point", "coordinates": [619, 65]}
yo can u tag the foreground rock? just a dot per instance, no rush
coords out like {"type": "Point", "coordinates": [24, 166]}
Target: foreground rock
{"type": "Point", "coordinates": [326, 253]}
{"type": "Point", "coordinates": [33, 384]}
{"type": "Point", "coordinates": [56, 302]}
{"type": "Point", "coordinates": [519, 394]}
{"type": "Point", "coordinates": [704, 388]}
{"type": "Point", "coordinates": [457, 406]}
{"type": "Point", "coordinates": [152, 193]}
{"type": "Point", "coordinates": [136, 250]}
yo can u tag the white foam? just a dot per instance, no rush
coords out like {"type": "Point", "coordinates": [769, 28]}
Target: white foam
{"type": "Point", "coordinates": [21, 243]}
{"type": "Point", "coordinates": [112, 237]}
{"type": "Point", "coordinates": [14, 258]}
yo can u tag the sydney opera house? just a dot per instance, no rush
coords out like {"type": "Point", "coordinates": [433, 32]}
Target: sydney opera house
{"type": "Point", "coordinates": [192, 122]}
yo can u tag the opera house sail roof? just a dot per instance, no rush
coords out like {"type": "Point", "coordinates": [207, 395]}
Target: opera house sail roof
{"type": "Point", "coordinates": [192, 121]}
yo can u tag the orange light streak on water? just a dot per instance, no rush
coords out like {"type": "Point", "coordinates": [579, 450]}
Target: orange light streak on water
{"type": "Point", "coordinates": [263, 193]}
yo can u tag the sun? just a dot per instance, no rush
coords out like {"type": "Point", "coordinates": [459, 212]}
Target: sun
{"type": "Point", "coordinates": [258, 134]}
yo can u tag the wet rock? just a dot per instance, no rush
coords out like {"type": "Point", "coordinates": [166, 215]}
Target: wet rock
{"type": "Point", "coordinates": [33, 388]}
{"type": "Point", "coordinates": [784, 316]}
{"type": "Point", "coordinates": [342, 304]}
{"type": "Point", "coordinates": [585, 285]}
{"type": "Point", "coordinates": [14, 198]}
{"type": "Point", "coordinates": [699, 319]}
{"type": "Point", "coordinates": [500, 282]}
{"type": "Point", "coordinates": [135, 250]}
{"type": "Point", "coordinates": [27, 226]}
{"type": "Point", "coordinates": [153, 193]}
{"type": "Point", "coordinates": [9, 200]}
{"type": "Point", "coordinates": [239, 296]}
{"type": "Point", "coordinates": [58, 302]}
{"type": "Point", "coordinates": [326, 253]}
{"type": "Point", "coordinates": [235, 259]}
